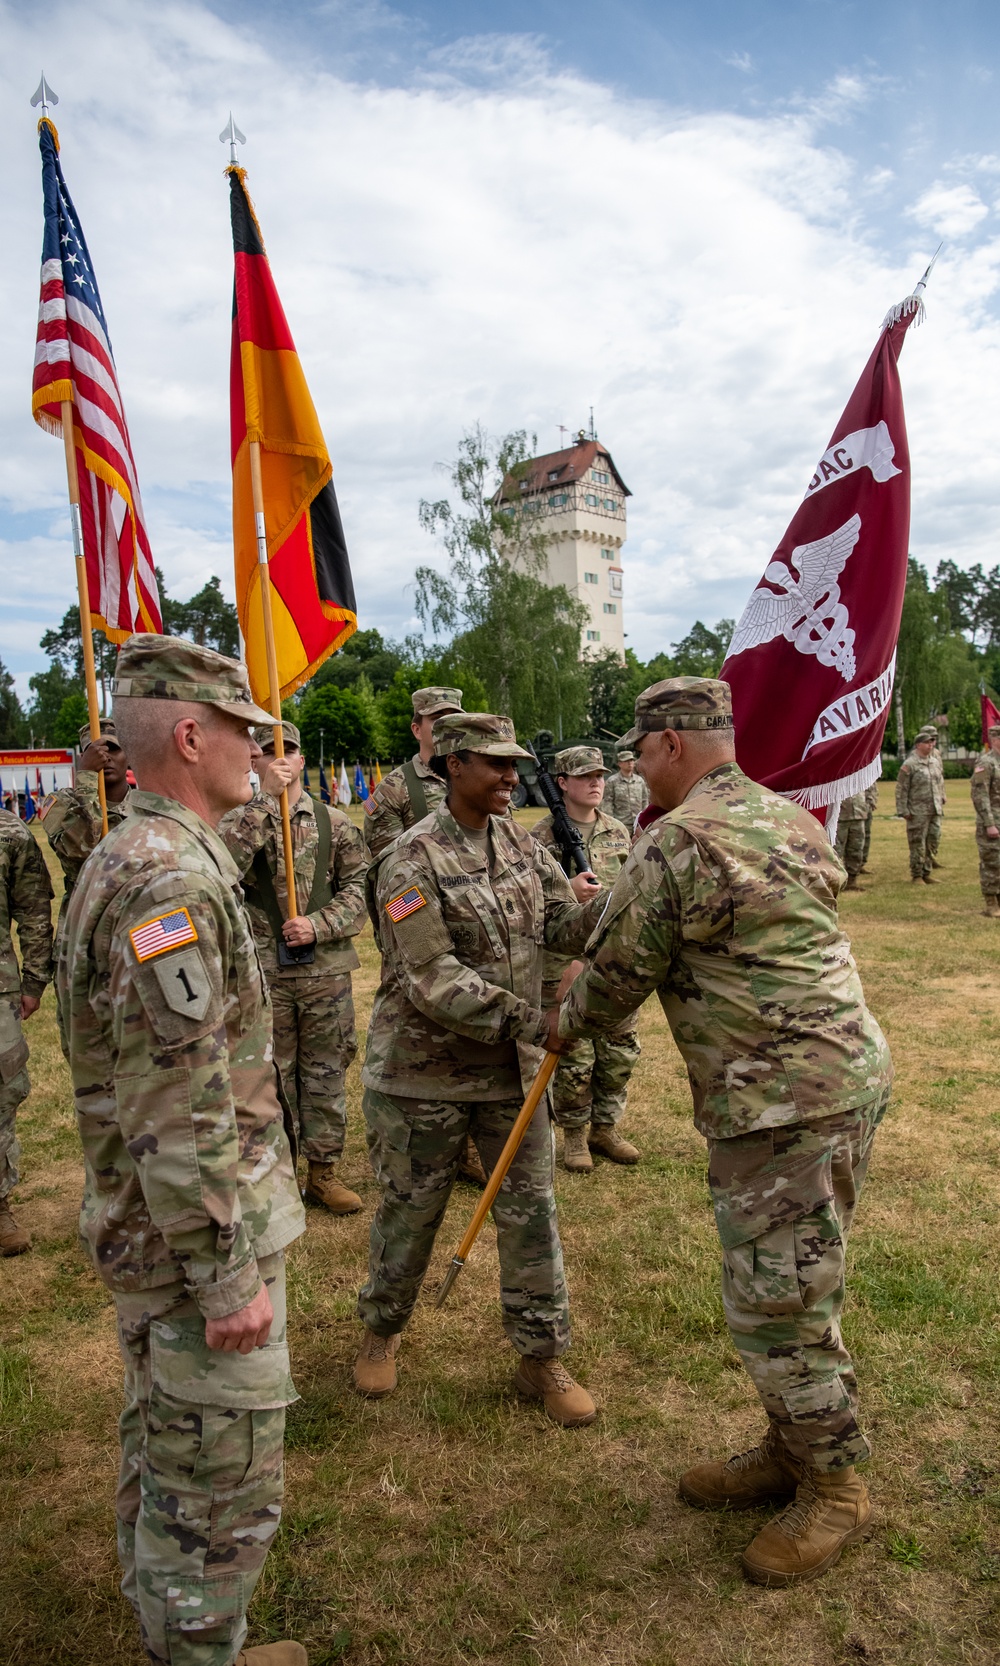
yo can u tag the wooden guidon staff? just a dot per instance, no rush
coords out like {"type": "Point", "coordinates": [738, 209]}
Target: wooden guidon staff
{"type": "Point", "coordinates": [496, 1179]}
{"type": "Point", "coordinates": [83, 591]}
{"type": "Point", "coordinates": [273, 685]}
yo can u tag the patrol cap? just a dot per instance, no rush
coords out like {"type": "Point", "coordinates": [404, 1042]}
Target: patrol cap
{"type": "Point", "coordinates": [432, 702]}
{"type": "Point", "coordinates": [928, 732]}
{"type": "Point", "coordinates": [265, 736]}
{"type": "Point", "coordinates": [476, 732]}
{"type": "Point", "coordinates": [626, 756]}
{"type": "Point", "coordinates": [682, 703]}
{"type": "Point", "coordinates": [108, 732]}
{"type": "Point", "coordinates": [170, 668]}
{"type": "Point", "coordinates": [579, 760]}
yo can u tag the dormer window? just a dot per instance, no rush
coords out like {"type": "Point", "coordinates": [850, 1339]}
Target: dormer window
{"type": "Point", "coordinates": [553, 474]}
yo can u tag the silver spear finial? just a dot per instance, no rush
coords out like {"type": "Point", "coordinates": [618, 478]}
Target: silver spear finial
{"type": "Point", "coordinates": [44, 96]}
{"type": "Point", "coordinates": [232, 136]}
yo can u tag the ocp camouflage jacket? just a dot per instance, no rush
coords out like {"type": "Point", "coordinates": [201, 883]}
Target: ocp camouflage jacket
{"type": "Point", "coordinates": [625, 796]}
{"type": "Point", "coordinates": [727, 908]}
{"type": "Point", "coordinates": [73, 826]}
{"type": "Point", "coordinates": [166, 1027]}
{"type": "Point", "coordinates": [920, 786]}
{"type": "Point", "coordinates": [388, 810]}
{"type": "Point", "coordinates": [607, 850]}
{"type": "Point", "coordinates": [986, 791]}
{"type": "Point", "coordinates": [26, 898]}
{"type": "Point", "coordinates": [458, 1012]}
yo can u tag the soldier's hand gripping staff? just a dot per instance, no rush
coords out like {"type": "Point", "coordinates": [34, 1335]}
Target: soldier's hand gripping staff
{"type": "Point", "coordinates": [466, 901]}
{"type": "Point", "coordinates": [189, 1190]}
{"type": "Point", "coordinates": [727, 910]}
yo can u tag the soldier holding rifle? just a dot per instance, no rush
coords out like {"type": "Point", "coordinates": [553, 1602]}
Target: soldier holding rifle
{"type": "Point", "coordinates": [727, 909]}
{"type": "Point", "coordinates": [466, 901]}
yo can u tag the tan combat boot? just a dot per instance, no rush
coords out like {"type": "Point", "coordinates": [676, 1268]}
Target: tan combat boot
{"type": "Point", "coordinates": [852, 883]}
{"type": "Point", "coordinates": [766, 1472]}
{"type": "Point", "coordinates": [831, 1510]}
{"type": "Point", "coordinates": [991, 908]}
{"type": "Point", "coordinates": [324, 1187]}
{"type": "Point", "coordinates": [605, 1139]}
{"type": "Point", "coordinates": [14, 1240]}
{"type": "Point", "coordinates": [273, 1654]}
{"type": "Point", "coordinates": [930, 880]}
{"type": "Point", "coordinates": [375, 1366]}
{"type": "Point", "coordinates": [469, 1166]}
{"type": "Point", "coordinates": [576, 1152]}
{"type": "Point", "coordinates": [549, 1381]}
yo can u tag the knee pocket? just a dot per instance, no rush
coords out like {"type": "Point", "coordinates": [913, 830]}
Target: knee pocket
{"type": "Point", "coordinates": [203, 1611]}
{"type": "Point", "coordinates": [790, 1269]}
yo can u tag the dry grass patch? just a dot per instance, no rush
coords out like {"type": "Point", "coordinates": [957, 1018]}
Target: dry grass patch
{"type": "Point", "coordinates": [450, 1523]}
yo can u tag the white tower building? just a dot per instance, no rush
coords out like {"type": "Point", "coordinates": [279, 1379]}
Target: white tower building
{"type": "Point", "coordinates": [578, 497]}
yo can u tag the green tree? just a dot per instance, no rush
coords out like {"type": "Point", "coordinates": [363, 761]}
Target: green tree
{"type": "Point", "coordinates": [72, 716]}
{"type": "Point", "coordinates": [346, 725]}
{"type": "Point", "coordinates": [64, 646]}
{"type": "Point", "coordinates": [612, 691]}
{"type": "Point", "coordinates": [11, 716]}
{"type": "Point", "coordinates": [936, 668]}
{"type": "Point", "coordinates": [364, 654]}
{"type": "Point", "coordinates": [520, 636]}
{"type": "Point", "coordinates": [49, 689]}
{"type": "Point", "coordinates": [207, 619]}
{"type": "Point", "coordinates": [701, 653]}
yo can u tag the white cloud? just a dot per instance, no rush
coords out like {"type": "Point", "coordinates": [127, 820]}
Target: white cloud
{"type": "Point", "coordinates": [949, 210]}
{"type": "Point", "coordinates": [511, 252]}
{"type": "Point", "coordinates": [741, 61]}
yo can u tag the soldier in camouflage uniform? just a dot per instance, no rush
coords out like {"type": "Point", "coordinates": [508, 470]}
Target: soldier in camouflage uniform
{"type": "Point", "coordinates": [590, 1088]}
{"type": "Point", "coordinates": [986, 802]}
{"type": "Point", "coordinates": [189, 1192]}
{"type": "Point", "coordinates": [405, 796]}
{"type": "Point", "coordinates": [314, 1037]}
{"type": "Point", "coordinates": [625, 793]}
{"type": "Point", "coordinates": [920, 801]}
{"type": "Point", "coordinates": [871, 805]}
{"type": "Point", "coordinates": [466, 900]}
{"type": "Point", "coordinates": [25, 900]}
{"type": "Point", "coordinates": [727, 909]}
{"type": "Point", "coordinates": [72, 818]}
{"type": "Point", "coordinates": [850, 839]}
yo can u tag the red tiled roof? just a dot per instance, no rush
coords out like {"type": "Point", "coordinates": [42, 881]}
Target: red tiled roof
{"type": "Point", "coordinates": [567, 466]}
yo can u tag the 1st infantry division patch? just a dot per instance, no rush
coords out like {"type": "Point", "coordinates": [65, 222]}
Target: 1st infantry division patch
{"type": "Point", "coordinates": [406, 903]}
{"type": "Point", "coordinates": [167, 931]}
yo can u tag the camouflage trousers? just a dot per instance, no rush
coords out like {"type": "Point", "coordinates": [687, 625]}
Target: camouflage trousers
{"type": "Point", "coordinates": [989, 863]}
{"type": "Point", "coordinates": [14, 1088]}
{"type": "Point", "coordinates": [314, 1046]}
{"type": "Point", "coordinates": [850, 845]}
{"type": "Point", "coordinates": [591, 1084]}
{"type": "Point", "coordinates": [784, 1201]}
{"type": "Point", "coordinates": [868, 838]}
{"type": "Point", "coordinates": [923, 834]}
{"type": "Point", "coordinates": [201, 1478]}
{"type": "Point", "coordinates": [415, 1146]}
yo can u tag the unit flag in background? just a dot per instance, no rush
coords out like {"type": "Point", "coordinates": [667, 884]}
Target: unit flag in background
{"type": "Point", "coordinates": [74, 362]}
{"type": "Point", "coordinates": [812, 660]}
{"type": "Point", "coordinates": [990, 715]}
{"type": "Point", "coordinates": [312, 593]}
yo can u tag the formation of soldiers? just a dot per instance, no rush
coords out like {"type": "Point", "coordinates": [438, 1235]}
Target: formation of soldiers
{"type": "Point", "coordinates": [184, 978]}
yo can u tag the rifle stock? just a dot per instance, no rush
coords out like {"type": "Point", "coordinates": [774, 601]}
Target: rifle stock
{"type": "Point", "coordinates": [572, 849]}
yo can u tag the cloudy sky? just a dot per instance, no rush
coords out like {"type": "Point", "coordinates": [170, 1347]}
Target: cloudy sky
{"type": "Point", "coordinates": [690, 216]}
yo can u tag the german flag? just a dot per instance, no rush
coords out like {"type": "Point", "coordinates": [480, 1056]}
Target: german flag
{"type": "Point", "coordinates": [312, 593]}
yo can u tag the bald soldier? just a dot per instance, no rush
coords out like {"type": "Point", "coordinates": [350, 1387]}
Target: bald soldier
{"type": "Point", "coordinates": [727, 910]}
{"type": "Point", "coordinates": [590, 1088]}
{"type": "Point", "coordinates": [72, 820]}
{"type": "Point", "coordinates": [625, 793]}
{"type": "Point", "coordinates": [986, 802]}
{"type": "Point", "coordinates": [308, 959]}
{"type": "Point", "coordinates": [189, 1190]}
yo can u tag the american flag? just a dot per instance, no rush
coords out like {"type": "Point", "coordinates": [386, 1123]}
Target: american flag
{"type": "Point", "coordinates": [168, 931]}
{"type": "Point", "coordinates": [406, 903]}
{"type": "Point", "coordinates": [73, 361]}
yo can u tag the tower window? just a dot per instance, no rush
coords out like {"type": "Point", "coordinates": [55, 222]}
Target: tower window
{"type": "Point", "coordinates": [590, 578]}
{"type": "Point", "coordinates": [607, 555]}
{"type": "Point", "coordinates": [556, 500]}
{"type": "Point", "coordinates": [611, 607]}
{"type": "Point", "coordinates": [593, 636]}
{"type": "Point", "coordinates": [610, 504]}
{"type": "Point", "coordinates": [592, 500]}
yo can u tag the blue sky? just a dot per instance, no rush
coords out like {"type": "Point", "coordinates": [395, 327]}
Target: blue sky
{"type": "Point", "coordinates": [691, 216]}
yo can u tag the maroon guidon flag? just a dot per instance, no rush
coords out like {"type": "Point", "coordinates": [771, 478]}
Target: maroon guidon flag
{"type": "Point", "coordinates": [813, 658]}
{"type": "Point", "coordinates": [989, 714]}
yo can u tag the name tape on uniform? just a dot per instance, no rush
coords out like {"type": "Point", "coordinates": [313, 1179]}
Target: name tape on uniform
{"type": "Point", "coordinates": [406, 903]}
{"type": "Point", "coordinates": [167, 931]}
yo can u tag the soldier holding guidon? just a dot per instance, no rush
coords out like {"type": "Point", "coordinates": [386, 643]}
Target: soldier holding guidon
{"type": "Point", "coordinates": [625, 793]}
{"type": "Point", "coordinates": [590, 1088]}
{"type": "Point", "coordinates": [25, 901]}
{"type": "Point", "coordinates": [308, 960]}
{"type": "Point", "coordinates": [727, 910]}
{"type": "Point", "coordinates": [466, 901]}
{"type": "Point", "coordinates": [920, 800]}
{"type": "Point", "coordinates": [72, 819]}
{"type": "Point", "coordinates": [986, 801]}
{"type": "Point", "coordinates": [189, 1192]}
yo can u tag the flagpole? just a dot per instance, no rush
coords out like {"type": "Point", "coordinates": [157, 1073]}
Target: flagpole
{"type": "Point", "coordinates": [83, 590]}
{"type": "Point", "coordinates": [273, 685]}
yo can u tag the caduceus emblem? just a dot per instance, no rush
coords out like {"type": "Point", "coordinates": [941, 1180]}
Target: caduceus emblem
{"type": "Point", "coordinates": [805, 605]}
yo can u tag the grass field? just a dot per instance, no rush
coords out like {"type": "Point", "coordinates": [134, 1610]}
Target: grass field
{"type": "Point", "coordinates": [449, 1523]}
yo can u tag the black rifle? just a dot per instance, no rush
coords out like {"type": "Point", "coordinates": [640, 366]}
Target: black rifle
{"type": "Point", "coordinates": [572, 850]}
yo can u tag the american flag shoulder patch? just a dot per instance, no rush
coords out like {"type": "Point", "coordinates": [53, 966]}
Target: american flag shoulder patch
{"type": "Point", "coordinates": [167, 931]}
{"type": "Point", "coordinates": [406, 903]}
{"type": "Point", "coordinates": [369, 805]}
